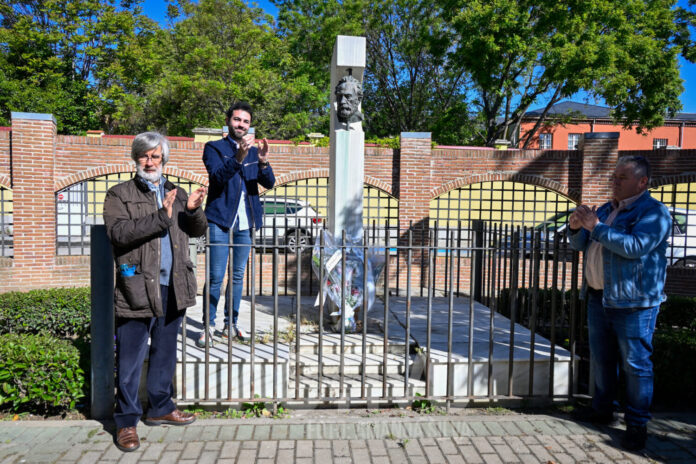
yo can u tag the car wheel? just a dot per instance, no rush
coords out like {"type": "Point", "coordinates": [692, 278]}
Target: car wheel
{"type": "Point", "coordinates": [687, 261]}
{"type": "Point", "coordinates": [294, 239]}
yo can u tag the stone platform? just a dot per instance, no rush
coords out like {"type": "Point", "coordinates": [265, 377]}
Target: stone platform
{"type": "Point", "coordinates": [300, 375]}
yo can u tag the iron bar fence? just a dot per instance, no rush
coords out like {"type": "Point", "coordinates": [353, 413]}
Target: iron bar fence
{"type": "Point", "coordinates": [482, 314]}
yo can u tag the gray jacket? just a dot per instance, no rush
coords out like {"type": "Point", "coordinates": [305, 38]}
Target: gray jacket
{"type": "Point", "coordinates": [134, 224]}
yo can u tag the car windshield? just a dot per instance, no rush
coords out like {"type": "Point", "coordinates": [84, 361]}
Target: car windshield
{"type": "Point", "coordinates": [555, 221]}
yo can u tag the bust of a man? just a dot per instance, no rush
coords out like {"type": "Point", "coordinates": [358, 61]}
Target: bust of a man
{"type": "Point", "coordinates": [348, 97]}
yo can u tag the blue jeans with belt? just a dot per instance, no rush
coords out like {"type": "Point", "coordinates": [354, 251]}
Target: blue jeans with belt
{"type": "Point", "coordinates": [241, 240]}
{"type": "Point", "coordinates": [621, 338]}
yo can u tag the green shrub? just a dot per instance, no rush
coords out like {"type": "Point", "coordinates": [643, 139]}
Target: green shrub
{"type": "Point", "coordinates": [678, 311]}
{"type": "Point", "coordinates": [674, 361]}
{"type": "Point", "coordinates": [39, 374]}
{"type": "Point", "coordinates": [63, 312]}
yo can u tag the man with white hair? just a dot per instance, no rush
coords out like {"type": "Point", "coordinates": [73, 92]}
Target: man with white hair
{"type": "Point", "coordinates": [624, 244]}
{"type": "Point", "coordinates": [149, 221]}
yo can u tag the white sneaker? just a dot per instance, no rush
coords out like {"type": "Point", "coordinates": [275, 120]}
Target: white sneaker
{"type": "Point", "coordinates": [200, 343]}
{"type": "Point", "coordinates": [236, 332]}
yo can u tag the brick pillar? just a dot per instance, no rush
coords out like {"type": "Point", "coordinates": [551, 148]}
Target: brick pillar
{"type": "Point", "coordinates": [414, 185]}
{"type": "Point", "coordinates": [415, 173]}
{"type": "Point", "coordinates": [34, 211]}
{"type": "Point", "coordinates": [600, 151]}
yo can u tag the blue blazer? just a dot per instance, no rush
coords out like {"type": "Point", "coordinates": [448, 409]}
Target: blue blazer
{"type": "Point", "coordinates": [226, 177]}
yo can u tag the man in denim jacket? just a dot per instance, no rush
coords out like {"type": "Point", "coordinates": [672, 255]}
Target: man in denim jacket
{"type": "Point", "coordinates": [625, 266]}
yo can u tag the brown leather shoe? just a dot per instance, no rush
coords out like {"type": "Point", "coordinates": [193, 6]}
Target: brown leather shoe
{"type": "Point", "coordinates": [175, 417]}
{"type": "Point", "coordinates": [127, 439]}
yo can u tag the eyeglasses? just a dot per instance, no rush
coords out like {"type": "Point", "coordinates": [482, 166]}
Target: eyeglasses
{"type": "Point", "coordinates": [153, 158]}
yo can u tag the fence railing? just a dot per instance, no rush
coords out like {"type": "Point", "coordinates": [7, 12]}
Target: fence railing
{"type": "Point", "coordinates": [519, 336]}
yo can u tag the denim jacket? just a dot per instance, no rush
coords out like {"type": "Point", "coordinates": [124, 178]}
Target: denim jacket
{"type": "Point", "coordinates": [226, 177]}
{"type": "Point", "coordinates": [633, 252]}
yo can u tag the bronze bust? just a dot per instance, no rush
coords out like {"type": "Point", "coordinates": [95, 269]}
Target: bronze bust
{"type": "Point", "coordinates": [348, 97]}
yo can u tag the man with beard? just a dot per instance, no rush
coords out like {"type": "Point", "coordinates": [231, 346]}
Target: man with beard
{"type": "Point", "coordinates": [149, 221]}
{"type": "Point", "coordinates": [349, 94]}
{"type": "Point", "coordinates": [236, 168]}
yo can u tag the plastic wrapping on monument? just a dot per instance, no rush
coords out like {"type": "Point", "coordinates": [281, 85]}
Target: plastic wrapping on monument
{"type": "Point", "coordinates": [354, 277]}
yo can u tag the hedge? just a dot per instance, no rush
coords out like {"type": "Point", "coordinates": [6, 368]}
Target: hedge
{"type": "Point", "coordinates": [63, 312]}
{"type": "Point", "coordinates": [39, 374]}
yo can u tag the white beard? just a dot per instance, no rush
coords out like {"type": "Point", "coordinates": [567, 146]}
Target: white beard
{"type": "Point", "coordinates": [153, 177]}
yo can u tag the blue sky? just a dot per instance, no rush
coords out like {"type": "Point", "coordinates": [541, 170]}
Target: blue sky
{"type": "Point", "coordinates": [156, 9]}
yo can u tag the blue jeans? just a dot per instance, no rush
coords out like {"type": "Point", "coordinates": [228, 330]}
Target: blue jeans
{"type": "Point", "coordinates": [218, 266]}
{"type": "Point", "coordinates": [621, 338]}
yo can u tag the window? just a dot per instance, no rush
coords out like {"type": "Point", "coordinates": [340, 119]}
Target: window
{"type": "Point", "coordinates": [659, 143]}
{"type": "Point", "coordinates": [545, 141]}
{"type": "Point", "coordinates": [573, 141]}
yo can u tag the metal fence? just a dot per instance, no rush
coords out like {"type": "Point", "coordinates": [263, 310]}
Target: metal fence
{"type": "Point", "coordinates": [517, 337]}
{"type": "Point", "coordinates": [80, 206]}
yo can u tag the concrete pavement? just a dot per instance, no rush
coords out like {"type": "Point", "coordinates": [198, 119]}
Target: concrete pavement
{"type": "Point", "coordinates": [359, 436]}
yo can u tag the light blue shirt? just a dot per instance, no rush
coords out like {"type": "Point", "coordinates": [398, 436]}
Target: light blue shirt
{"type": "Point", "coordinates": [166, 243]}
{"type": "Point", "coordinates": [241, 209]}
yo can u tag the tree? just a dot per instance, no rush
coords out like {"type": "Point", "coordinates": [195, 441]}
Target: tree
{"type": "Point", "coordinates": [521, 52]}
{"type": "Point", "coordinates": [216, 52]}
{"type": "Point", "coordinates": [50, 54]}
{"type": "Point", "coordinates": [408, 82]}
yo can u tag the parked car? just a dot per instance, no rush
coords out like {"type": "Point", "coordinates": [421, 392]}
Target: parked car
{"type": "Point", "coordinates": [6, 235]}
{"type": "Point", "coordinates": [681, 250]}
{"type": "Point", "coordinates": [295, 221]}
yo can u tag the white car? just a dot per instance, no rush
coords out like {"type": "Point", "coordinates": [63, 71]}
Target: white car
{"type": "Point", "coordinates": [681, 250]}
{"type": "Point", "coordinates": [295, 221]}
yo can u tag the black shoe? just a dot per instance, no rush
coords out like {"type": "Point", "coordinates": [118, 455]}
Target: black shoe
{"type": "Point", "coordinates": [635, 437]}
{"type": "Point", "coordinates": [587, 414]}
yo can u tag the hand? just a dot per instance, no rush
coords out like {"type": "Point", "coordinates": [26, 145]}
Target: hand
{"type": "Point", "coordinates": [574, 221]}
{"type": "Point", "coordinates": [244, 145]}
{"type": "Point", "coordinates": [263, 151]}
{"type": "Point", "coordinates": [587, 217]}
{"type": "Point", "coordinates": [168, 201]}
{"type": "Point", "coordinates": [196, 198]}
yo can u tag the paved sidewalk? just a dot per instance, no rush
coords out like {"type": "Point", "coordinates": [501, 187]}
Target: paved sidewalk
{"type": "Point", "coordinates": [360, 436]}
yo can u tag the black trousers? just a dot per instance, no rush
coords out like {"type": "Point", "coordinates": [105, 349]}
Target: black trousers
{"type": "Point", "coordinates": [131, 345]}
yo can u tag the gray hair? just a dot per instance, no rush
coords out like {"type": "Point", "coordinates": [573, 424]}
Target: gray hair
{"type": "Point", "coordinates": [148, 141]}
{"type": "Point", "coordinates": [641, 166]}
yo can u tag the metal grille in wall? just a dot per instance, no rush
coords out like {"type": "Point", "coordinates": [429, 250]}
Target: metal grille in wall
{"type": "Point", "coordinates": [495, 202]}
{"type": "Point", "coordinates": [296, 210]}
{"type": "Point", "coordinates": [681, 201]}
{"type": "Point", "coordinates": [81, 205]}
{"type": "Point", "coordinates": [6, 229]}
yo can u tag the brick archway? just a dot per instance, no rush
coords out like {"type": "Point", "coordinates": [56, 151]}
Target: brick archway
{"type": "Point", "coordinates": [118, 168]}
{"type": "Point", "coordinates": [540, 181]}
{"type": "Point", "coordinates": [323, 172]}
{"type": "Point", "coordinates": [6, 182]}
{"type": "Point", "coordinates": [683, 178]}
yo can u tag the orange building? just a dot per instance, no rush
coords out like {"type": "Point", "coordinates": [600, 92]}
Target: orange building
{"type": "Point", "coordinates": [676, 132]}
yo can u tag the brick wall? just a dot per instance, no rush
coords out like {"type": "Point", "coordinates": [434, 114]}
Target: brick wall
{"type": "Point", "coordinates": [42, 163]}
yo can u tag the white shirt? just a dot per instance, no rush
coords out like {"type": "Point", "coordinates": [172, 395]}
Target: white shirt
{"type": "Point", "coordinates": [594, 264]}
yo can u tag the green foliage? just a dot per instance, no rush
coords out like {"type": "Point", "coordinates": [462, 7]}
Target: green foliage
{"type": "Point", "coordinates": [55, 55]}
{"type": "Point", "coordinates": [387, 142]}
{"type": "Point", "coordinates": [519, 53]}
{"type": "Point", "coordinates": [674, 362]}
{"type": "Point", "coordinates": [408, 83]}
{"type": "Point", "coordinates": [39, 374]}
{"type": "Point", "coordinates": [62, 312]}
{"type": "Point", "coordinates": [677, 312]}
{"type": "Point", "coordinates": [214, 53]}
{"type": "Point", "coordinates": [422, 405]}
